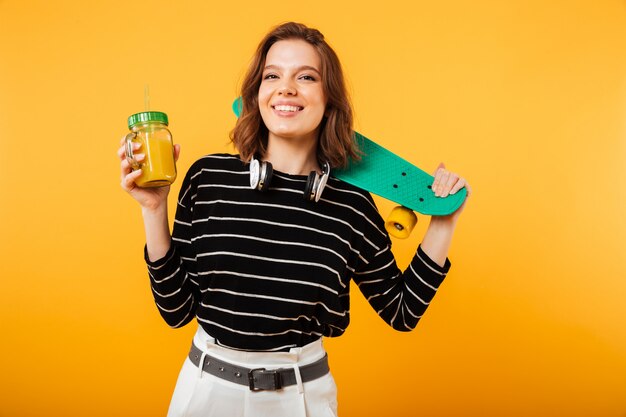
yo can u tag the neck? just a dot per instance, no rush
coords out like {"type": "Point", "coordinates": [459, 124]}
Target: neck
{"type": "Point", "coordinates": [292, 156]}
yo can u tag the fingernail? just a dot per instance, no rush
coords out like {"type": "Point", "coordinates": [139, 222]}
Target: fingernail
{"type": "Point", "coordinates": [139, 156]}
{"type": "Point", "coordinates": [452, 192]}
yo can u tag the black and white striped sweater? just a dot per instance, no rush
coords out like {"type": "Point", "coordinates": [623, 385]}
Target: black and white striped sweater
{"type": "Point", "coordinates": [267, 271]}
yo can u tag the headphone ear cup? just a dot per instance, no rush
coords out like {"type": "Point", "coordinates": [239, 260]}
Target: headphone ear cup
{"type": "Point", "coordinates": [309, 194]}
{"type": "Point", "coordinates": [315, 184]}
{"type": "Point", "coordinates": [266, 176]}
{"type": "Point", "coordinates": [255, 173]}
{"type": "Point", "coordinates": [260, 174]}
{"type": "Point", "coordinates": [322, 183]}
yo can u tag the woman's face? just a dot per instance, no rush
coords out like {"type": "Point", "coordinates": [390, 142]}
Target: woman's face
{"type": "Point", "coordinates": [291, 98]}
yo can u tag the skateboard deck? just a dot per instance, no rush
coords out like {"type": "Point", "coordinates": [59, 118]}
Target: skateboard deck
{"type": "Point", "coordinates": [389, 176]}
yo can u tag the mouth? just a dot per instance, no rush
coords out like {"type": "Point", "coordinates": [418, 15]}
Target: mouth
{"type": "Point", "coordinates": [287, 108]}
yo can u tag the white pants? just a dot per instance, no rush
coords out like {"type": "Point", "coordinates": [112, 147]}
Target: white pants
{"type": "Point", "coordinates": [201, 394]}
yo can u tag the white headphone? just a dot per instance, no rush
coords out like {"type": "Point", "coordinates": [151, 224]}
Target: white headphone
{"type": "Point", "coordinates": [261, 175]}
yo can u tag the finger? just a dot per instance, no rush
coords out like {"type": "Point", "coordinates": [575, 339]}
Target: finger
{"type": "Point", "coordinates": [126, 164]}
{"type": "Point", "coordinates": [458, 186]}
{"type": "Point", "coordinates": [440, 166]}
{"type": "Point", "coordinates": [437, 174]}
{"type": "Point", "coordinates": [125, 169]}
{"type": "Point", "coordinates": [447, 186]}
{"type": "Point", "coordinates": [176, 152]}
{"type": "Point", "coordinates": [121, 151]}
{"type": "Point", "coordinates": [441, 180]}
{"type": "Point", "coordinates": [128, 182]}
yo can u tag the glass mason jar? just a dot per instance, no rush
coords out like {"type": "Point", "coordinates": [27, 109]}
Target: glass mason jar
{"type": "Point", "coordinates": [150, 130]}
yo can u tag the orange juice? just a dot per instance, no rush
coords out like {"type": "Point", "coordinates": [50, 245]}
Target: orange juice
{"type": "Point", "coordinates": [158, 166]}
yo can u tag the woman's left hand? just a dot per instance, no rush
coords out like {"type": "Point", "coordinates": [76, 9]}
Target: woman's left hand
{"type": "Point", "coordinates": [447, 183]}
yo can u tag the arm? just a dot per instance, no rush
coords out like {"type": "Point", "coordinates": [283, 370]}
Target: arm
{"type": "Point", "coordinates": [401, 298]}
{"type": "Point", "coordinates": [171, 259]}
{"type": "Point", "coordinates": [157, 229]}
{"type": "Point", "coordinates": [153, 202]}
{"type": "Point", "coordinates": [437, 240]}
{"type": "Point", "coordinates": [175, 295]}
{"type": "Point", "coordinates": [438, 237]}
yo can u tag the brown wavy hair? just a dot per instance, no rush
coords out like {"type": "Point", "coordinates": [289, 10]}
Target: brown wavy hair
{"type": "Point", "coordinates": [336, 142]}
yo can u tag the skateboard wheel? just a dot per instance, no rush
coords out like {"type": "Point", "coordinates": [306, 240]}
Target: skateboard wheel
{"type": "Point", "coordinates": [401, 222]}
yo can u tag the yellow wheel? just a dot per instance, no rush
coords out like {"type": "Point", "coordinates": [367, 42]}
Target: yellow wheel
{"type": "Point", "coordinates": [401, 222]}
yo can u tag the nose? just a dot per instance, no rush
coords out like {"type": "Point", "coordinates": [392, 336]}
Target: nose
{"type": "Point", "coordinates": [287, 89]}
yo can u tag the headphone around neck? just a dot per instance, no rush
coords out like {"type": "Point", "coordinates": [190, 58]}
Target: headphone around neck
{"type": "Point", "coordinates": [261, 175]}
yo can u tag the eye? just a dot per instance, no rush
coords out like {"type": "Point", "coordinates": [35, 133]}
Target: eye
{"type": "Point", "coordinates": [307, 77]}
{"type": "Point", "coordinates": [270, 76]}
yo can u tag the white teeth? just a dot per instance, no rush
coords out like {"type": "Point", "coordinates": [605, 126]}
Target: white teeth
{"type": "Point", "coordinates": [287, 108]}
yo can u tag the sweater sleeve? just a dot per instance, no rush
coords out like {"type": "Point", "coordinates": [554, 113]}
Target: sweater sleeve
{"type": "Point", "coordinates": [172, 277]}
{"type": "Point", "coordinates": [399, 298]}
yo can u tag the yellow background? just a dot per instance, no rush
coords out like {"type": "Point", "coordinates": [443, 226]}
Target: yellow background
{"type": "Point", "coordinates": [526, 98]}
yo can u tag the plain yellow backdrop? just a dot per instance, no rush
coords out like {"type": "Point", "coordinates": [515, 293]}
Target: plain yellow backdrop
{"type": "Point", "coordinates": [525, 98]}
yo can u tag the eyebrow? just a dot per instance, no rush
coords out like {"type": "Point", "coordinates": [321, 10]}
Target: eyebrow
{"type": "Point", "coordinates": [300, 68]}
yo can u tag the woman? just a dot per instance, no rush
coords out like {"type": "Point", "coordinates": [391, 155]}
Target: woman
{"type": "Point", "coordinates": [266, 271]}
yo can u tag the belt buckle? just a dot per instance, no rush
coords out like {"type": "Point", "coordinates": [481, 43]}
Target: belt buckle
{"type": "Point", "coordinates": [251, 379]}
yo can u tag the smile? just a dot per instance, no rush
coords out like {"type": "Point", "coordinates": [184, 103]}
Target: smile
{"type": "Point", "coordinates": [287, 108]}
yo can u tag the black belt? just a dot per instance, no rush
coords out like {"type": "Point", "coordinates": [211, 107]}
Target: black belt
{"type": "Point", "coordinates": [258, 379]}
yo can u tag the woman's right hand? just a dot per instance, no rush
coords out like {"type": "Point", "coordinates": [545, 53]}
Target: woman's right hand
{"type": "Point", "coordinates": [149, 198]}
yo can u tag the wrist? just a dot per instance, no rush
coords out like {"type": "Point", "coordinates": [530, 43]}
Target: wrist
{"type": "Point", "coordinates": [442, 223]}
{"type": "Point", "coordinates": [438, 237]}
{"type": "Point", "coordinates": [157, 230]}
{"type": "Point", "coordinates": [154, 211]}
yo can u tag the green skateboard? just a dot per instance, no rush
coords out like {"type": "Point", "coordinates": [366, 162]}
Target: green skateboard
{"type": "Point", "coordinates": [389, 176]}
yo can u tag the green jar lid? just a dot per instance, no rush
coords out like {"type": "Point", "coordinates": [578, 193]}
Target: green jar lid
{"type": "Point", "coordinates": [147, 116]}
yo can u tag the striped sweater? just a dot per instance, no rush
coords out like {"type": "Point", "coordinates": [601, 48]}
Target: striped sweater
{"type": "Point", "coordinates": [267, 271]}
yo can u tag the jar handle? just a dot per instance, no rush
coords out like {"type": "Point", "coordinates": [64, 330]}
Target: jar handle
{"type": "Point", "coordinates": [130, 157]}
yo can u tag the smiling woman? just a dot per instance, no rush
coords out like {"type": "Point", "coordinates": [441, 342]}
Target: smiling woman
{"type": "Point", "coordinates": [292, 101]}
{"type": "Point", "coordinates": [266, 272]}
{"type": "Point", "coordinates": [295, 59]}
